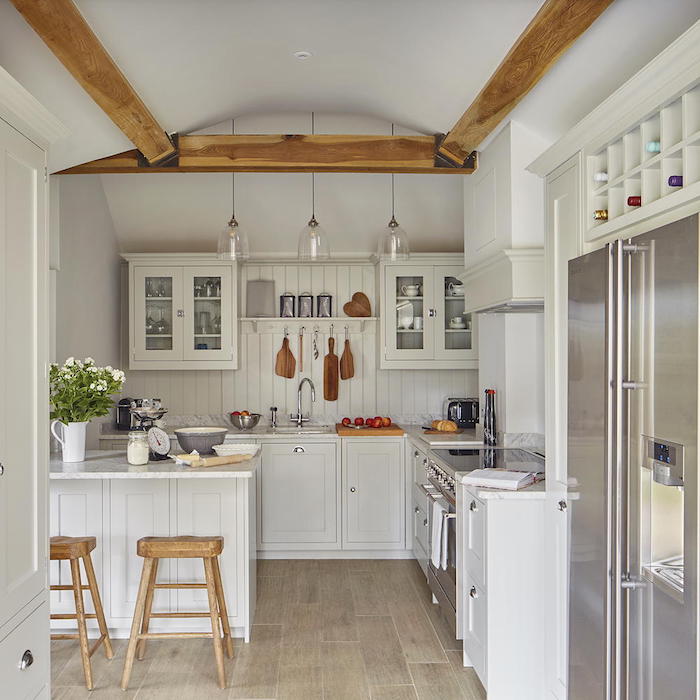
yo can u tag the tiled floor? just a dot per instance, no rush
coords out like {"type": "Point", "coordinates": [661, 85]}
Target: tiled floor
{"type": "Point", "coordinates": [324, 630]}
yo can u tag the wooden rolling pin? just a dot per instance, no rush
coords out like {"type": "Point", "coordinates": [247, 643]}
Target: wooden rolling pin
{"type": "Point", "coordinates": [197, 461]}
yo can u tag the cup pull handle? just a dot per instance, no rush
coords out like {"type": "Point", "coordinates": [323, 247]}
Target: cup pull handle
{"type": "Point", "coordinates": [473, 593]}
{"type": "Point", "coordinates": [298, 448]}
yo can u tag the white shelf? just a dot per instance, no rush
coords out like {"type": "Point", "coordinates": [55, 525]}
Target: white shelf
{"type": "Point", "coordinates": [159, 298]}
{"type": "Point", "coordinates": [158, 335]}
{"type": "Point", "coordinates": [207, 335]}
{"type": "Point", "coordinates": [458, 330]}
{"type": "Point", "coordinates": [452, 297]}
{"type": "Point", "coordinates": [323, 325]}
{"type": "Point", "coordinates": [408, 330]}
{"type": "Point", "coordinates": [207, 298]}
{"type": "Point", "coordinates": [409, 298]}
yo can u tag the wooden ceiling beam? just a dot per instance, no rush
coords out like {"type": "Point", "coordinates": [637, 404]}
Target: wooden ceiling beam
{"type": "Point", "coordinates": [65, 31]}
{"type": "Point", "coordinates": [556, 26]}
{"type": "Point", "coordinates": [338, 153]}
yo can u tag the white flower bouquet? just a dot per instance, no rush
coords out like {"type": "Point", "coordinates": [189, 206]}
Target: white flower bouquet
{"type": "Point", "coordinates": [80, 390]}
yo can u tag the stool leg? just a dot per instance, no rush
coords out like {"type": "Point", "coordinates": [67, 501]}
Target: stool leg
{"type": "Point", "coordinates": [222, 607]}
{"type": "Point", "coordinates": [80, 619]}
{"type": "Point", "coordinates": [141, 648]}
{"type": "Point", "coordinates": [214, 614]}
{"type": "Point", "coordinates": [97, 603]}
{"type": "Point", "coordinates": [138, 617]}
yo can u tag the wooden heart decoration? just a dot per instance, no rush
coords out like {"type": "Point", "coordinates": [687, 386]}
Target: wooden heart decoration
{"type": "Point", "coordinates": [359, 306]}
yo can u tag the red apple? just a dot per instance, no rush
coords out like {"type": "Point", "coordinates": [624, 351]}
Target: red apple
{"type": "Point", "coordinates": [377, 421]}
{"type": "Point", "coordinates": [359, 421]}
{"type": "Point", "coordinates": [236, 413]}
{"type": "Point", "coordinates": [346, 421]}
{"type": "Point", "coordinates": [386, 422]}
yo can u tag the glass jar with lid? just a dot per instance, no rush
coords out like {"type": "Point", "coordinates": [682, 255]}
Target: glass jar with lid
{"type": "Point", "coordinates": [137, 448]}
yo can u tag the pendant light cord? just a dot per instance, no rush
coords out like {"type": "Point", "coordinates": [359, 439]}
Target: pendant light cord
{"type": "Point", "coordinates": [313, 175]}
{"type": "Point", "coordinates": [392, 182]}
{"type": "Point", "coordinates": [233, 179]}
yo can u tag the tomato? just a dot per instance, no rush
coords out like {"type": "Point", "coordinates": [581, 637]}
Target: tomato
{"type": "Point", "coordinates": [369, 421]}
{"type": "Point", "coordinates": [359, 421]}
{"type": "Point", "coordinates": [346, 421]}
{"type": "Point", "coordinates": [386, 422]}
{"type": "Point", "coordinates": [236, 413]}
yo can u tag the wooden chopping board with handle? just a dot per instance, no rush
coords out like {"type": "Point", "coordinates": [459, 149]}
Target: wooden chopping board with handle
{"type": "Point", "coordinates": [330, 372]}
{"type": "Point", "coordinates": [285, 364]}
{"type": "Point", "coordinates": [347, 361]}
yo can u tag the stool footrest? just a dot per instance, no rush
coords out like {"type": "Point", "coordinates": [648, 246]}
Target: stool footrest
{"type": "Point", "coordinates": [72, 616]}
{"type": "Point", "coordinates": [67, 588]}
{"type": "Point", "coordinates": [182, 614]}
{"type": "Point", "coordinates": [176, 635]}
{"type": "Point", "coordinates": [65, 636]}
{"type": "Point", "coordinates": [180, 585]}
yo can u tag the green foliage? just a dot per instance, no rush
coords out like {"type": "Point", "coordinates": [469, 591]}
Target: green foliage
{"type": "Point", "coordinates": [80, 390]}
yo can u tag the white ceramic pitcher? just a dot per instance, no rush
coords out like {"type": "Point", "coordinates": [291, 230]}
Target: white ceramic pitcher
{"type": "Point", "coordinates": [72, 439]}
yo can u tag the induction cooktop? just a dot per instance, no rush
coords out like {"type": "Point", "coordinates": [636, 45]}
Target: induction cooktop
{"type": "Point", "coordinates": [461, 460]}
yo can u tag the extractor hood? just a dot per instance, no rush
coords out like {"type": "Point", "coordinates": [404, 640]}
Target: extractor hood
{"type": "Point", "coordinates": [510, 281]}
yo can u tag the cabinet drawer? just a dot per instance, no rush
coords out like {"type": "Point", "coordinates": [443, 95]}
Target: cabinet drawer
{"type": "Point", "coordinates": [419, 476]}
{"type": "Point", "coordinates": [32, 635]}
{"type": "Point", "coordinates": [475, 626]}
{"type": "Point", "coordinates": [475, 537]}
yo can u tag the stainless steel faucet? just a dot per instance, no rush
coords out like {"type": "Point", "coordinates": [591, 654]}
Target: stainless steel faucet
{"type": "Point", "coordinates": [299, 419]}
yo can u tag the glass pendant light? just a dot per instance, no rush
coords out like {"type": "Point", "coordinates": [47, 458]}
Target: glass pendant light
{"type": "Point", "coordinates": [393, 241]}
{"type": "Point", "coordinates": [233, 243]}
{"type": "Point", "coordinates": [313, 240]}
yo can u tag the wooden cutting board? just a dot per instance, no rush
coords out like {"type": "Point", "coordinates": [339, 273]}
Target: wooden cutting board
{"type": "Point", "coordinates": [392, 430]}
{"type": "Point", "coordinates": [330, 372]}
{"type": "Point", "coordinates": [443, 432]}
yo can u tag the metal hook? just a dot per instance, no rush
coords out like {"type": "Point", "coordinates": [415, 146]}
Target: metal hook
{"type": "Point", "coordinates": [346, 332]}
{"type": "Point", "coordinates": [286, 332]}
{"type": "Point", "coordinates": [331, 329]}
{"type": "Point", "coordinates": [301, 330]}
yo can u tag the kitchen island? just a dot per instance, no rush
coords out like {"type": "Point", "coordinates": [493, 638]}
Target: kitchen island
{"type": "Point", "coordinates": [118, 503]}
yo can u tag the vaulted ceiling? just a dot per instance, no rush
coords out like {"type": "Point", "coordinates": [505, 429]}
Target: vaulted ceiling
{"type": "Point", "coordinates": [414, 62]}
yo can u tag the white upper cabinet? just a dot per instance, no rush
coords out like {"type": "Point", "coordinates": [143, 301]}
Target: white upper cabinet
{"type": "Point", "coordinates": [504, 224]}
{"type": "Point", "coordinates": [182, 315]}
{"type": "Point", "coordinates": [423, 321]}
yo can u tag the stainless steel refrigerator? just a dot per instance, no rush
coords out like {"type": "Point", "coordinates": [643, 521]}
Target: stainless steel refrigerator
{"type": "Point", "coordinates": [632, 466]}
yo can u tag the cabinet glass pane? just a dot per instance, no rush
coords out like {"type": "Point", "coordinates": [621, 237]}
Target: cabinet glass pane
{"type": "Point", "coordinates": [158, 295]}
{"type": "Point", "coordinates": [410, 313]}
{"type": "Point", "coordinates": [456, 324]}
{"type": "Point", "coordinates": [207, 312]}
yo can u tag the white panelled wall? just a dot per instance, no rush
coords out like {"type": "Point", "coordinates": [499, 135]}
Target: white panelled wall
{"type": "Point", "coordinates": [405, 395]}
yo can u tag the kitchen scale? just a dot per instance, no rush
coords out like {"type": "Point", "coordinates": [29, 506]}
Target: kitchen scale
{"type": "Point", "coordinates": [158, 440]}
{"type": "Point", "coordinates": [158, 444]}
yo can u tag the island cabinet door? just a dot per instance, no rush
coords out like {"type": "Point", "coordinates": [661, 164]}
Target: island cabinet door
{"type": "Point", "coordinates": [75, 508]}
{"type": "Point", "coordinates": [373, 494]}
{"type": "Point", "coordinates": [138, 508]}
{"type": "Point", "coordinates": [208, 507]}
{"type": "Point", "coordinates": [298, 496]}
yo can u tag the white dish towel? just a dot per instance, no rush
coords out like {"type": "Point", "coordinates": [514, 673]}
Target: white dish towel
{"type": "Point", "coordinates": [438, 536]}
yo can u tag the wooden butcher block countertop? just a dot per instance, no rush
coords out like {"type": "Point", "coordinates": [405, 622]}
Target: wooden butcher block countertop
{"type": "Point", "coordinates": [392, 430]}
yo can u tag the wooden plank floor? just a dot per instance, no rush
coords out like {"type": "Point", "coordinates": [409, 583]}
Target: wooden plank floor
{"type": "Point", "coordinates": [324, 630]}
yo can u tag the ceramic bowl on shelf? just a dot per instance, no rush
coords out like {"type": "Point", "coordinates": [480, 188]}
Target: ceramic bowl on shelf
{"type": "Point", "coordinates": [245, 422]}
{"type": "Point", "coordinates": [200, 438]}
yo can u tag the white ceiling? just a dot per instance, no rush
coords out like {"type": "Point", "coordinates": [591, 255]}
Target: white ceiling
{"type": "Point", "coordinates": [414, 62]}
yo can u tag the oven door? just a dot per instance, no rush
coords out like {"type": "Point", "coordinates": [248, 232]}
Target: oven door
{"type": "Point", "coordinates": [443, 582]}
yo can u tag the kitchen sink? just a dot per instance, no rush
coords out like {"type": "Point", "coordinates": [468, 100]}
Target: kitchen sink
{"type": "Point", "coordinates": [304, 430]}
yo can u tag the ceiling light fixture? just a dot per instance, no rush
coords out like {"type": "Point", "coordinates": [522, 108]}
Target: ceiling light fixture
{"type": "Point", "coordinates": [313, 240]}
{"type": "Point", "coordinates": [233, 243]}
{"type": "Point", "coordinates": [302, 55]}
{"type": "Point", "coordinates": [393, 241]}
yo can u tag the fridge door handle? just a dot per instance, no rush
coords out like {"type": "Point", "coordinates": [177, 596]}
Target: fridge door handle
{"type": "Point", "coordinates": [632, 583]}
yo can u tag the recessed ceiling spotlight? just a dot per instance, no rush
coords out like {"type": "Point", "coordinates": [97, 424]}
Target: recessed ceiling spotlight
{"type": "Point", "coordinates": [302, 55]}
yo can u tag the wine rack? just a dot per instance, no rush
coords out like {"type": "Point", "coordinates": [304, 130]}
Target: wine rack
{"type": "Point", "coordinates": [658, 157]}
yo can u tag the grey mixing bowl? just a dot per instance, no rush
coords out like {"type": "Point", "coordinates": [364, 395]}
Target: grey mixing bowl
{"type": "Point", "coordinates": [200, 439]}
{"type": "Point", "coordinates": [245, 422]}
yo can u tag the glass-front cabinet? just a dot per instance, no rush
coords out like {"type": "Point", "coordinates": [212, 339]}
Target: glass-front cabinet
{"type": "Point", "coordinates": [182, 316]}
{"type": "Point", "coordinates": [423, 321]}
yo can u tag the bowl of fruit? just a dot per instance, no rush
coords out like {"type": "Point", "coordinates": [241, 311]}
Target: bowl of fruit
{"type": "Point", "coordinates": [360, 423]}
{"type": "Point", "coordinates": [244, 420]}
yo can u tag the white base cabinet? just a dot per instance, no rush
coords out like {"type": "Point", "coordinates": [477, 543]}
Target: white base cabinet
{"type": "Point", "coordinates": [298, 496]}
{"type": "Point", "coordinates": [502, 602]}
{"type": "Point", "coordinates": [373, 493]}
{"type": "Point", "coordinates": [120, 511]}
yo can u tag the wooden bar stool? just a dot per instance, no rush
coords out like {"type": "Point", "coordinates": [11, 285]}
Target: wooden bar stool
{"type": "Point", "coordinates": [74, 549]}
{"type": "Point", "coordinates": [152, 549]}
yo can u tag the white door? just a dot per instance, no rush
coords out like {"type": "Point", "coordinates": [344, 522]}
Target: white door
{"type": "Point", "coordinates": [373, 494]}
{"type": "Point", "coordinates": [562, 240]}
{"type": "Point", "coordinates": [455, 331]}
{"type": "Point", "coordinates": [157, 311]}
{"type": "Point", "coordinates": [297, 492]}
{"type": "Point", "coordinates": [138, 508]}
{"type": "Point", "coordinates": [408, 292]}
{"type": "Point", "coordinates": [208, 325]}
{"type": "Point", "coordinates": [24, 334]}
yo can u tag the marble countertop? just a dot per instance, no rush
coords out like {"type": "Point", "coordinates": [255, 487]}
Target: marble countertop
{"type": "Point", "coordinates": [467, 438]}
{"type": "Point", "coordinates": [112, 464]}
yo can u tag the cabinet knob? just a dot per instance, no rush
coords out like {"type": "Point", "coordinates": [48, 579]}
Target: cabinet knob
{"type": "Point", "coordinates": [425, 522]}
{"type": "Point", "coordinates": [416, 453]}
{"type": "Point", "coordinates": [432, 313]}
{"type": "Point", "coordinates": [2, 468]}
{"type": "Point", "coordinates": [473, 507]}
{"type": "Point", "coordinates": [26, 661]}
{"type": "Point", "coordinates": [416, 510]}
{"type": "Point", "coordinates": [352, 489]}
{"type": "Point", "coordinates": [298, 448]}
{"type": "Point", "coordinates": [562, 505]}
{"type": "Point", "coordinates": [473, 593]}
{"type": "Point", "coordinates": [180, 313]}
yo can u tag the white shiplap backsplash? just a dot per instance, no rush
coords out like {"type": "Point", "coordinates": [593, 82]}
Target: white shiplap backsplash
{"type": "Point", "coordinates": [405, 395]}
